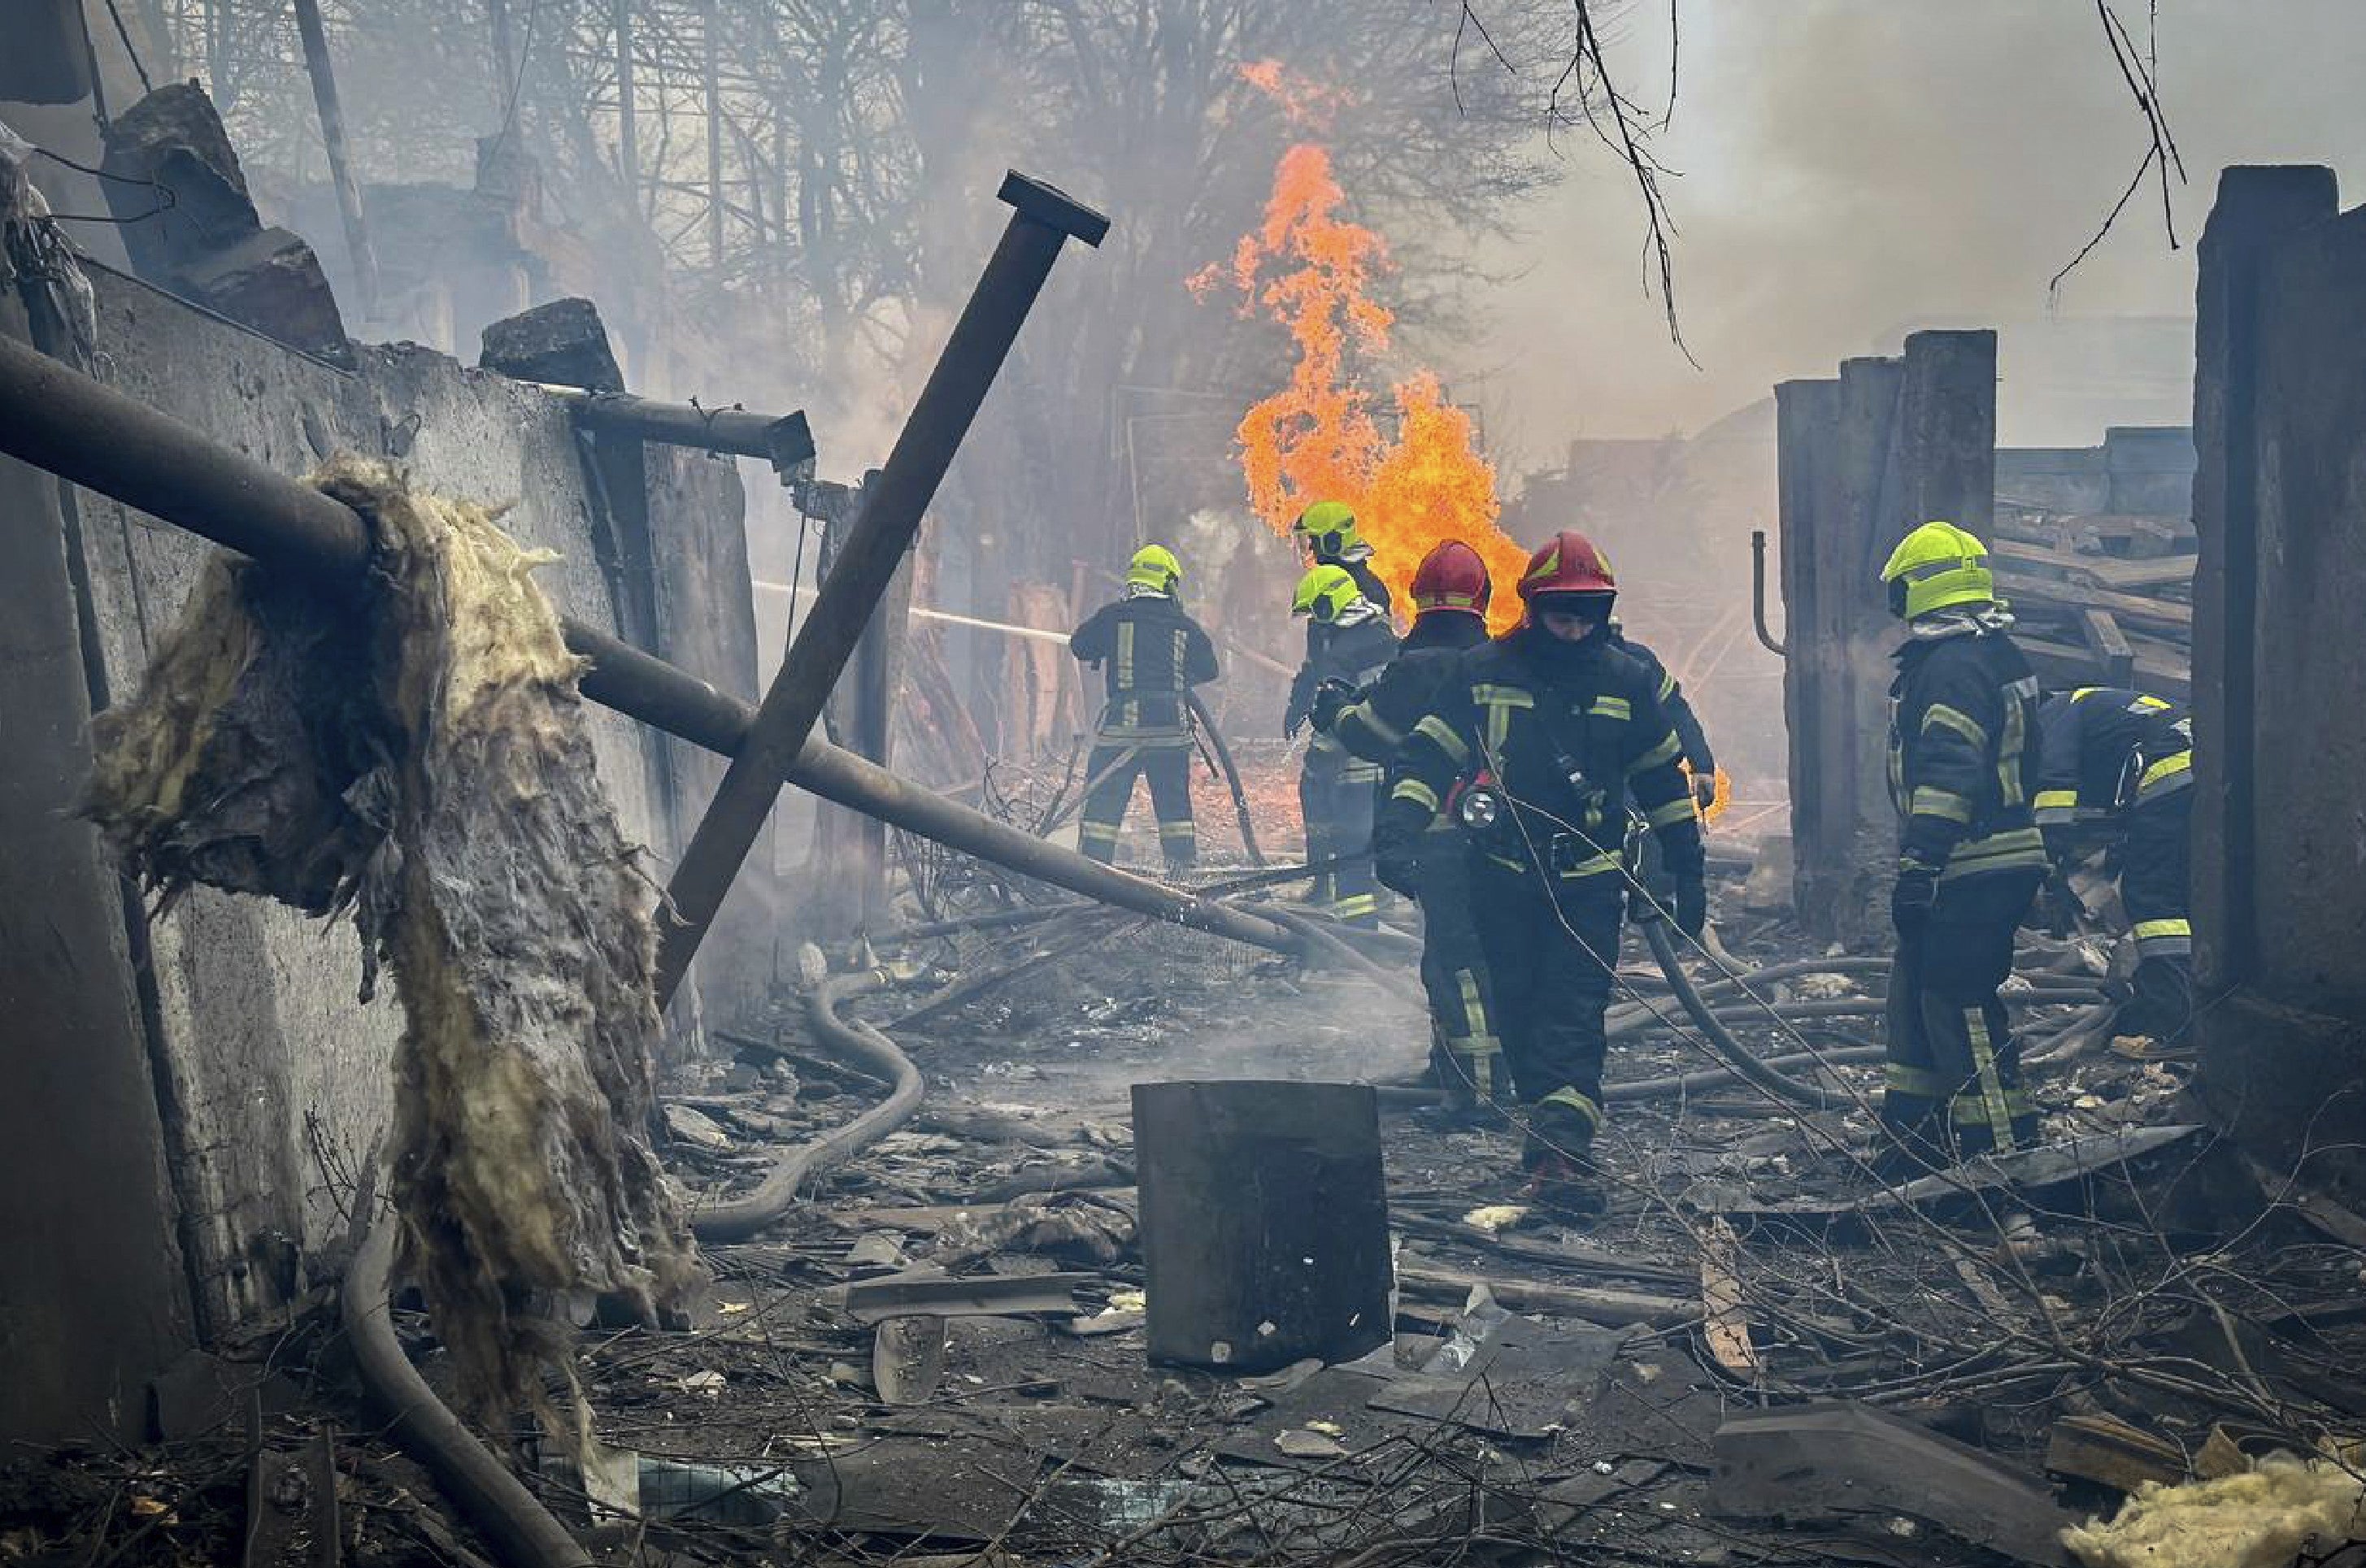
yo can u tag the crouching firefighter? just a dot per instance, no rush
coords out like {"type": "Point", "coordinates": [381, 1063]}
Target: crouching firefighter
{"type": "Point", "coordinates": [1963, 772]}
{"type": "Point", "coordinates": [1450, 594]}
{"type": "Point", "coordinates": [1153, 654]}
{"type": "Point", "coordinates": [2116, 771]}
{"type": "Point", "coordinates": [1349, 643]}
{"type": "Point", "coordinates": [1538, 746]}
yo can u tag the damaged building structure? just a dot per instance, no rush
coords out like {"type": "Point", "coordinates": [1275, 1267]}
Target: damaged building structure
{"type": "Point", "coordinates": [932, 1323]}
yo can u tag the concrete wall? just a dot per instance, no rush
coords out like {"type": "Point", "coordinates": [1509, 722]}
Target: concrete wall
{"type": "Point", "coordinates": [2140, 470]}
{"type": "Point", "coordinates": [1892, 444]}
{"type": "Point", "coordinates": [92, 1298]}
{"type": "Point", "coordinates": [276, 1082]}
{"type": "Point", "coordinates": [2280, 504]}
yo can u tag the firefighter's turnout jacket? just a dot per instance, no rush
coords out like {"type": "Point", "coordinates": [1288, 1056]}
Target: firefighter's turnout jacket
{"type": "Point", "coordinates": [1571, 734]}
{"type": "Point", "coordinates": [1964, 752]}
{"type": "Point", "coordinates": [2104, 750]}
{"type": "Point", "coordinates": [1679, 707]}
{"type": "Point", "coordinates": [2117, 767]}
{"type": "Point", "coordinates": [1150, 652]}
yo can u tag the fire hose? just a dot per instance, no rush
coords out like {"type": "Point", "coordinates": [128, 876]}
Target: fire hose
{"type": "Point", "coordinates": [522, 1531]}
{"type": "Point", "coordinates": [858, 1045]}
{"type": "Point", "coordinates": [1232, 774]}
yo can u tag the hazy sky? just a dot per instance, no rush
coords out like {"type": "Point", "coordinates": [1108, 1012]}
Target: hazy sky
{"type": "Point", "coordinates": [1853, 166]}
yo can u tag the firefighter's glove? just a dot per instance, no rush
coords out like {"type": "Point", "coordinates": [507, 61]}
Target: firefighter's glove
{"type": "Point", "coordinates": [1398, 868]}
{"type": "Point", "coordinates": [1704, 791]}
{"type": "Point", "coordinates": [1692, 906]}
{"type": "Point", "coordinates": [1292, 723]}
{"type": "Point", "coordinates": [1913, 896]}
{"type": "Point", "coordinates": [1330, 698]}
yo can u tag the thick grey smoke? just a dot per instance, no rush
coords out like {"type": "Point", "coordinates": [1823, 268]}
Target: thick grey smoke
{"type": "Point", "coordinates": [1853, 168]}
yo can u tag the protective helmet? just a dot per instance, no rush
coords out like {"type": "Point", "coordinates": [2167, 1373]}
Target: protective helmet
{"type": "Point", "coordinates": [1330, 528]}
{"type": "Point", "coordinates": [1154, 567]}
{"type": "Point", "coordinates": [1325, 592]}
{"type": "Point", "coordinates": [1452, 576]}
{"type": "Point", "coordinates": [1937, 565]}
{"type": "Point", "coordinates": [1568, 566]}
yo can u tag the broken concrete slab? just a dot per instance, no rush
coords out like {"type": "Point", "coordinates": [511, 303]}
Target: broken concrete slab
{"type": "Point", "coordinates": [563, 342]}
{"type": "Point", "coordinates": [1845, 1460]}
{"type": "Point", "coordinates": [173, 138]}
{"type": "Point", "coordinates": [1518, 1381]}
{"type": "Point", "coordinates": [271, 281]}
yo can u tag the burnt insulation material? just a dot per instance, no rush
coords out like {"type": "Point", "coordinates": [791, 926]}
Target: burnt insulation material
{"type": "Point", "coordinates": [418, 755]}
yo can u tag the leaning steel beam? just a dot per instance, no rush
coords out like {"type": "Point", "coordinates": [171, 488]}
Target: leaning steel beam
{"type": "Point", "coordinates": [55, 418]}
{"type": "Point", "coordinates": [1042, 221]}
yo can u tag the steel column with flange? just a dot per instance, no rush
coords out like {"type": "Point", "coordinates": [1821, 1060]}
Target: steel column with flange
{"type": "Point", "coordinates": [1042, 221]}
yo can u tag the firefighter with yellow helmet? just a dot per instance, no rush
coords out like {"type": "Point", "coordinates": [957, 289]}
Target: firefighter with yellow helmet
{"type": "Point", "coordinates": [1152, 653]}
{"type": "Point", "coordinates": [1964, 770]}
{"type": "Point", "coordinates": [1348, 643]}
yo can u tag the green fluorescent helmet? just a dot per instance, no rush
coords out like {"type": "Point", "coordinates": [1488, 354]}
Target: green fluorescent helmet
{"type": "Point", "coordinates": [1325, 592]}
{"type": "Point", "coordinates": [1153, 566]}
{"type": "Point", "coordinates": [1330, 528]}
{"type": "Point", "coordinates": [1936, 566]}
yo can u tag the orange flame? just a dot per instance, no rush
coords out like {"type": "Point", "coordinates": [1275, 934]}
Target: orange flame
{"type": "Point", "coordinates": [1317, 439]}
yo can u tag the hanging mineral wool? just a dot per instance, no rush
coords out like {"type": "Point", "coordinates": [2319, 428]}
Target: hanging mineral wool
{"type": "Point", "coordinates": [418, 755]}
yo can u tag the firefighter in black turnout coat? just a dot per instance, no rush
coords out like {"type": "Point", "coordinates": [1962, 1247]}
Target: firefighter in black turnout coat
{"type": "Point", "coordinates": [2117, 768]}
{"type": "Point", "coordinates": [1153, 654]}
{"type": "Point", "coordinates": [1349, 643]}
{"type": "Point", "coordinates": [1962, 771]}
{"type": "Point", "coordinates": [1543, 746]}
{"type": "Point", "coordinates": [1450, 594]}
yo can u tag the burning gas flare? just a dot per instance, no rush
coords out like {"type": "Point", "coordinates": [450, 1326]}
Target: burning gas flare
{"type": "Point", "coordinates": [1319, 437]}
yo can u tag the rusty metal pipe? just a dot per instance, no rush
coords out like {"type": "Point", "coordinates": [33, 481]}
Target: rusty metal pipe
{"type": "Point", "coordinates": [55, 418]}
{"type": "Point", "coordinates": [785, 441]}
{"type": "Point", "coordinates": [1758, 594]}
{"type": "Point", "coordinates": [1042, 221]}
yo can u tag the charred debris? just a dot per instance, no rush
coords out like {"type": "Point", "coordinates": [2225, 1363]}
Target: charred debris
{"type": "Point", "coordinates": [1016, 1208]}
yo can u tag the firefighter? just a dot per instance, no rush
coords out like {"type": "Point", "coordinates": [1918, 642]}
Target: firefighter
{"type": "Point", "coordinates": [2116, 768]}
{"type": "Point", "coordinates": [1329, 530]}
{"type": "Point", "coordinates": [1962, 771]}
{"type": "Point", "coordinates": [1153, 654]}
{"type": "Point", "coordinates": [1698, 759]}
{"type": "Point", "coordinates": [1348, 642]}
{"type": "Point", "coordinates": [1451, 595]}
{"type": "Point", "coordinates": [1540, 746]}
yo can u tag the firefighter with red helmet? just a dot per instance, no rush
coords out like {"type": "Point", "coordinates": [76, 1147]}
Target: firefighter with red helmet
{"type": "Point", "coordinates": [1450, 594]}
{"type": "Point", "coordinates": [1539, 746]}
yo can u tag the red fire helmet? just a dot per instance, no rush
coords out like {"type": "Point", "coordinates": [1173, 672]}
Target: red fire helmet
{"type": "Point", "coordinates": [1567, 563]}
{"type": "Point", "coordinates": [1453, 577]}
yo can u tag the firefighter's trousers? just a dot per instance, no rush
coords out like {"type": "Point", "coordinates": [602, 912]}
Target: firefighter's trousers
{"type": "Point", "coordinates": [2155, 876]}
{"type": "Point", "coordinates": [1547, 955]}
{"type": "Point", "coordinates": [1467, 1053]}
{"type": "Point", "coordinates": [1337, 800]}
{"type": "Point", "coordinates": [1110, 773]}
{"type": "Point", "coordinates": [1955, 1070]}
